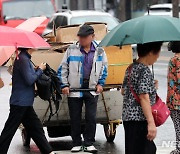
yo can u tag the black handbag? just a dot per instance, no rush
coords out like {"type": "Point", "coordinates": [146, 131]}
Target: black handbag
{"type": "Point", "coordinates": [49, 89]}
{"type": "Point", "coordinates": [44, 87]}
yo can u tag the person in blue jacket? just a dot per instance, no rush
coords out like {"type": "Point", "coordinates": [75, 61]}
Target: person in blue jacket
{"type": "Point", "coordinates": [21, 104]}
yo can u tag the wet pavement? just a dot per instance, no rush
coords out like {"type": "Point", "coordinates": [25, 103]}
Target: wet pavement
{"type": "Point", "coordinates": [63, 145]}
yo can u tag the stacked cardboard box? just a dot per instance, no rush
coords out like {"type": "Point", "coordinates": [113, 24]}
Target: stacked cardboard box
{"type": "Point", "coordinates": [63, 37]}
{"type": "Point", "coordinates": [68, 34]}
{"type": "Point", "coordinates": [118, 58]}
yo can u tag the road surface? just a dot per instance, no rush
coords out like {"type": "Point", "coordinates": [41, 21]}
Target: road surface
{"type": "Point", "coordinates": [63, 145]}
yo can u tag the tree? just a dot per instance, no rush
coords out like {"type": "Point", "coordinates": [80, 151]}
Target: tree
{"type": "Point", "coordinates": [90, 4]}
{"type": "Point", "coordinates": [155, 2]}
{"type": "Point", "coordinates": [122, 15]}
{"type": "Point", "coordinates": [128, 9]}
{"type": "Point", "coordinates": [73, 4]}
{"type": "Point", "coordinates": [175, 4]}
{"type": "Point", "coordinates": [124, 10]}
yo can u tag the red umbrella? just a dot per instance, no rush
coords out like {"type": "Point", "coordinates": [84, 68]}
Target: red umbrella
{"type": "Point", "coordinates": [32, 23]}
{"type": "Point", "coordinates": [20, 38]}
{"type": "Point", "coordinates": [5, 53]}
{"type": "Point", "coordinates": [12, 37]}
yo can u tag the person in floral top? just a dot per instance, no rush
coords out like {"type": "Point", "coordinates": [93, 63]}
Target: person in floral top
{"type": "Point", "coordinates": [173, 95]}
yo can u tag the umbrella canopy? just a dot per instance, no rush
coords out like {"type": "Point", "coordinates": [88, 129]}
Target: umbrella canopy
{"type": "Point", "coordinates": [5, 53]}
{"type": "Point", "coordinates": [12, 38]}
{"type": "Point", "coordinates": [32, 23]}
{"type": "Point", "coordinates": [20, 38]}
{"type": "Point", "coordinates": [144, 30]}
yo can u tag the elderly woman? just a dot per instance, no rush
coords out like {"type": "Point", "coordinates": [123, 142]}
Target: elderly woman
{"type": "Point", "coordinates": [138, 121]}
{"type": "Point", "coordinates": [173, 94]}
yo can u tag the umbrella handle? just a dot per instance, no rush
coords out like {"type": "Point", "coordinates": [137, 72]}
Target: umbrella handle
{"type": "Point", "coordinates": [121, 43]}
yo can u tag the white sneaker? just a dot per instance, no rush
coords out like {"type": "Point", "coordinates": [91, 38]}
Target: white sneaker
{"type": "Point", "coordinates": [77, 149]}
{"type": "Point", "coordinates": [90, 149]}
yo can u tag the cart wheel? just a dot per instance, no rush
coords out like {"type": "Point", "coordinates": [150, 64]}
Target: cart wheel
{"type": "Point", "coordinates": [107, 131]}
{"type": "Point", "coordinates": [25, 138]}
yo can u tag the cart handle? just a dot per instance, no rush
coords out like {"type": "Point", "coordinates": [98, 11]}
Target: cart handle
{"type": "Point", "coordinates": [82, 90]}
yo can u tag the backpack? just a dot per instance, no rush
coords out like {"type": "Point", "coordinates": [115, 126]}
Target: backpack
{"type": "Point", "coordinates": [48, 88]}
{"type": "Point", "coordinates": [44, 87]}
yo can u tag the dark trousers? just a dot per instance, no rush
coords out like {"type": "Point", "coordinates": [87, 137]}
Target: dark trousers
{"type": "Point", "coordinates": [75, 110]}
{"type": "Point", "coordinates": [175, 116]}
{"type": "Point", "coordinates": [136, 141]}
{"type": "Point", "coordinates": [28, 117]}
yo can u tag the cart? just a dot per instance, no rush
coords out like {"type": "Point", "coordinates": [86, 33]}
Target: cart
{"type": "Point", "coordinates": [109, 109]}
{"type": "Point", "coordinates": [109, 112]}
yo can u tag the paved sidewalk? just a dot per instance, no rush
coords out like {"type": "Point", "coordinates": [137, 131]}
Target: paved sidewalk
{"type": "Point", "coordinates": [159, 151]}
{"type": "Point", "coordinates": [68, 152]}
{"type": "Point", "coordinates": [164, 150]}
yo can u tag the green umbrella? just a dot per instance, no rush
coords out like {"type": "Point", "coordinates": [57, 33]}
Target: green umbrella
{"type": "Point", "coordinates": [144, 30]}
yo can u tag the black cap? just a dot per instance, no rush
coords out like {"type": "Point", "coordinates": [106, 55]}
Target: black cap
{"type": "Point", "coordinates": [85, 30]}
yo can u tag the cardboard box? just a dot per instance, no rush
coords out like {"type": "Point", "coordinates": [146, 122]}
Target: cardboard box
{"type": "Point", "coordinates": [52, 58]}
{"type": "Point", "coordinates": [68, 34]}
{"type": "Point", "coordinates": [118, 61]}
{"type": "Point", "coordinates": [50, 39]}
{"type": "Point", "coordinates": [100, 31]}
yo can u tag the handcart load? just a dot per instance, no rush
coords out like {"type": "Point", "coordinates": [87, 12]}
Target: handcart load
{"type": "Point", "coordinates": [109, 109]}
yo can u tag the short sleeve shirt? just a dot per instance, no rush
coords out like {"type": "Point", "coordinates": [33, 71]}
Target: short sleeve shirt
{"type": "Point", "coordinates": [142, 81]}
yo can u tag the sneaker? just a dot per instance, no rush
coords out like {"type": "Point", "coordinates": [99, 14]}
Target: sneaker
{"type": "Point", "coordinates": [176, 151]}
{"type": "Point", "coordinates": [77, 149]}
{"type": "Point", "coordinates": [90, 149]}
